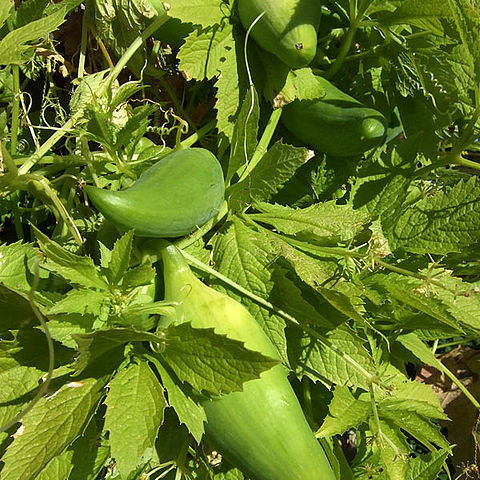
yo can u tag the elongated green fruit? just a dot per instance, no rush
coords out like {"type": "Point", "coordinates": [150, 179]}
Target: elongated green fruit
{"type": "Point", "coordinates": [173, 197]}
{"type": "Point", "coordinates": [262, 430]}
{"type": "Point", "coordinates": [336, 124]}
{"type": "Point", "coordinates": [288, 28]}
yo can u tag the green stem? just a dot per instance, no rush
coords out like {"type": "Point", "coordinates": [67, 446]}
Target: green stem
{"type": "Point", "coordinates": [466, 163]}
{"type": "Point", "coordinates": [440, 366]}
{"type": "Point", "coordinates": [83, 42]}
{"type": "Point", "coordinates": [263, 143]}
{"type": "Point", "coordinates": [207, 128]}
{"type": "Point", "coordinates": [455, 344]}
{"type": "Point", "coordinates": [15, 109]}
{"type": "Point", "coordinates": [25, 168]}
{"type": "Point", "coordinates": [286, 316]}
{"type": "Point", "coordinates": [376, 417]}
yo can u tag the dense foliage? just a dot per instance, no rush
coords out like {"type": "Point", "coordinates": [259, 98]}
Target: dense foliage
{"type": "Point", "coordinates": [363, 269]}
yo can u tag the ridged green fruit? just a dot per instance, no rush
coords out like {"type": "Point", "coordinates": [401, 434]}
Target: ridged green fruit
{"type": "Point", "coordinates": [170, 199]}
{"type": "Point", "coordinates": [288, 29]}
{"type": "Point", "coordinates": [262, 429]}
{"type": "Point", "coordinates": [336, 124]}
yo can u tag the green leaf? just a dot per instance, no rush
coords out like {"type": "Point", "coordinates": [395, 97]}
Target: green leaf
{"type": "Point", "coordinates": [410, 396]}
{"type": "Point", "coordinates": [274, 169]}
{"type": "Point", "coordinates": [90, 454]}
{"type": "Point", "coordinates": [138, 276]}
{"type": "Point", "coordinates": [5, 8]}
{"type": "Point", "coordinates": [135, 127]}
{"type": "Point", "coordinates": [58, 468]}
{"type": "Point", "coordinates": [16, 265]}
{"type": "Point", "coordinates": [199, 12]}
{"type": "Point", "coordinates": [427, 467]}
{"type": "Point", "coordinates": [15, 46]}
{"type": "Point", "coordinates": [135, 406]}
{"type": "Point", "coordinates": [345, 411]}
{"type": "Point", "coordinates": [416, 425]}
{"type": "Point", "coordinates": [86, 90]}
{"type": "Point", "coordinates": [244, 138]}
{"type": "Point", "coordinates": [120, 258]}
{"type": "Point", "coordinates": [466, 14]}
{"type": "Point", "coordinates": [62, 327]}
{"type": "Point", "coordinates": [95, 344]}
{"type": "Point", "coordinates": [322, 223]}
{"type": "Point", "coordinates": [414, 292]}
{"type": "Point", "coordinates": [81, 301]}
{"type": "Point", "coordinates": [429, 15]}
{"type": "Point", "coordinates": [205, 52]}
{"type": "Point", "coordinates": [211, 362]}
{"type": "Point", "coordinates": [283, 85]}
{"type": "Point", "coordinates": [213, 52]}
{"type": "Point", "coordinates": [422, 227]}
{"type": "Point", "coordinates": [76, 269]}
{"type": "Point", "coordinates": [244, 256]}
{"type": "Point", "coordinates": [49, 427]}
{"type": "Point", "coordinates": [190, 413]}
{"type": "Point", "coordinates": [393, 447]}
{"type": "Point", "coordinates": [339, 358]}
{"type": "Point", "coordinates": [15, 309]}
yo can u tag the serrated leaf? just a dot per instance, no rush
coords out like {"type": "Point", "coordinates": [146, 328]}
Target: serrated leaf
{"type": "Point", "coordinates": [120, 258]}
{"type": "Point", "coordinates": [427, 467]}
{"type": "Point", "coordinates": [211, 362]}
{"type": "Point", "coordinates": [135, 406]}
{"type": "Point", "coordinates": [95, 344]}
{"type": "Point", "coordinates": [77, 269]}
{"type": "Point", "coordinates": [466, 14]}
{"type": "Point", "coordinates": [274, 169]}
{"type": "Point", "coordinates": [205, 52]}
{"type": "Point", "coordinates": [429, 16]}
{"type": "Point", "coordinates": [410, 396]}
{"type": "Point", "coordinates": [49, 427]}
{"type": "Point", "coordinates": [62, 327]}
{"type": "Point", "coordinates": [80, 301]}
{"type": "Point", "coordinates": [422, 227]}
{"type": "Point", "coordinates": [16, 265]}
{"type": "Point", "coordinates": [15, 46]}
{"type": "Point", "coordinates": [416, 425]}
{"type": "Point", "coordinates": [5, 8]}
{"type": "Point", "coordinates": [414, 292]}
{"type": "Point", "coordinates": [340, 357]}
{"type": "Point", "coordinates": [345, 411]}
{"type": "Point", "coordinates": [244, 138]}
{"type": "Point", "coordinates": [138, 276]}
{"type": "Point", "coordinates": [15, 309]}
{"type": "Point", "coordinates": [213, 52]}
{"type": "Point", "coordinates": [58, 468]}
{"type": "Point", "coordinates": [190, 413]}
{"type": "Point", "coordinates": [199, 12]}
{"type": "Point", "coordinates": [244, 256]}
{"type": "Point", "coordinates": [393, 448]}
{"type": "Point", "coordinates": [321, 223]}
{"type": "Point", "coordinates": [90, 454]}
{"type": "Point", "coordinates": [86, 90]}
{"type": "Point", "coordinates": [124, 92]}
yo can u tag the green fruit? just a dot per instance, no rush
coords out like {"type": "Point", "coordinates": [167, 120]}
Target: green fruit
{"type": "Point", "coordinates": [336, 124]}
{"type": "Point", "coordinates": [170, 199]}
{"type": "Point", "coordinates": [262, 429]}
{"type": "Point", "coordinates": [288, 29]}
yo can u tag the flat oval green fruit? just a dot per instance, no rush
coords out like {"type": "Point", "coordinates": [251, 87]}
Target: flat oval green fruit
{"type": "Point", "coordinates": [336, 124]}
{"type": "Point", "coordinates": [262, 429]}
{"type": "Point", "coordinates": [172, 198]}
{"type": "Point", "coordinates": [288, 28]}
